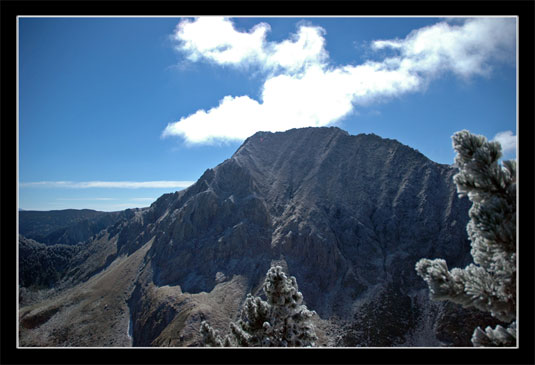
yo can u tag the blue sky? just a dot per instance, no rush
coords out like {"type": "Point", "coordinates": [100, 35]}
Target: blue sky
{"type": "Point", "coordinates": [115, 112]}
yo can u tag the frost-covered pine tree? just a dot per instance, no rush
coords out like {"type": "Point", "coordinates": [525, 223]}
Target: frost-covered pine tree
{"type": "Point", "coordinates": [488, 284]}
{"type": "Point", "coordinates": [210, 336]}
{"type": "Point", "coordinates": [281, 321]}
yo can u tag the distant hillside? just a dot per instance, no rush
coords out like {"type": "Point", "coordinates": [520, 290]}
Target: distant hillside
{"type": "Point", "coordinates": [41, 265]}
{"type": "Point", "coordinates": [68, 227]}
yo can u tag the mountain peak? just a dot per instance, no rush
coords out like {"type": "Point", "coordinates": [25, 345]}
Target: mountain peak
{"type": "Point", "coordinates": [292, 134]}
{"type": "Point", "coordinates": [312, 138]}
{"type": "Point", "coordinates": [347, 215]}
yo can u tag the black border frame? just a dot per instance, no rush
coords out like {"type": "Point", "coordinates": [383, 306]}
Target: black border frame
{"type": "Point", "coordinates": [525, 10]}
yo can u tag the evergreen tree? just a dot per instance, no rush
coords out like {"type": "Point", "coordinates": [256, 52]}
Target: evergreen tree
{"type": "Point", "coordinates": [210, 336]}
{"type": "Point", "coordinates": [488, 284]}
{"type": "Point", "coordinates": [281, 321]}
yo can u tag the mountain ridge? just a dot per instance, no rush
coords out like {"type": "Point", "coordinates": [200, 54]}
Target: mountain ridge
{"type": "Point", "coordinates": [348, 216]}
{"type": "Point", "coordinates": [65, 226]}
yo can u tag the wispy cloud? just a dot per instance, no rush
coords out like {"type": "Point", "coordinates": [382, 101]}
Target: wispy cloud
{"type": "Point", "coordinates": [96, 203]}
{"type": "Point", "coordinates": [85, 199]}
{"type": "Point", "coordinates": [302, 89]}
{"type": "Point", "coordinates": [109, 184]}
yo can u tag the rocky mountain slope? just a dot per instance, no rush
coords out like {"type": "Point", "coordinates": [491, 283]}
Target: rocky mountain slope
{"type": "Point", "coordinates": [347, 215]}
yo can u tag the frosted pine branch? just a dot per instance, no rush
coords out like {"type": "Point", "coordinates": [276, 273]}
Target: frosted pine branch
{"type": "Point", "coordinates": [499, 336]}
{"type": "Point", "coordinates": [210, 336]}
{"type": "Point", "coordinates": [490, 283]}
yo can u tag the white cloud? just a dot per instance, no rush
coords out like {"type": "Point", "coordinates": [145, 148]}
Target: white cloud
{"type": "Point", "coordinates": [228, 121]}
{"type": "Point", "coordinates": [216, 39]}
{"type": "Point", "coordinates": [109, 184]}
{"type": "Point", "coordinates": [507, 140]}
{"type": "Point", "coordinates": [301, 89]}
{"type": "Point", "coordinates": [464, 49]}
{"type": "Point", "coordinates": [306, 47]}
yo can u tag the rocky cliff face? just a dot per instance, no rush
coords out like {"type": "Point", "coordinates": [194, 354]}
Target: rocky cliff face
{"type": "Point", "coordinates": [348, 216]}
